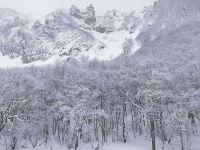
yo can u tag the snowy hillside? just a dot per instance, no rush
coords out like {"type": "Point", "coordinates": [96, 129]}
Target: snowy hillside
{"type": "Point", "coordinates": [168, 15]}
{"type": "Point", "coordinates": [67, 34]}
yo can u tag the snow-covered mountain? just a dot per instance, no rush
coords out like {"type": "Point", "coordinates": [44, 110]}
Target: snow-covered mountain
{"type": "Point", "coordinates": [144, 97]}
{"type": "Point", "coordinates": [80, 34]}
{"type": "Point", "coordinates": [66, 34]}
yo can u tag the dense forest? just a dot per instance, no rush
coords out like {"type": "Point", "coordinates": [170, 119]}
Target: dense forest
{"type": "Point", "coordinates": [97, 102]}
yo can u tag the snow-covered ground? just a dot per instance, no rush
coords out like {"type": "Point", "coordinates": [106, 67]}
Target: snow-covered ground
{"type": "Point", "coordinates": [107, 147]}
{"type": "Point", "coordinates": [113, 43]}
{"type": "Point", "coordinates": [6, 62]}
{"type": "Point", "coordinates": [137, 144]}
{"type": "Point", "coordinates": [119, 146]}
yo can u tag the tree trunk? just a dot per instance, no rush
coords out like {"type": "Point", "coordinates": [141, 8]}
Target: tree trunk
{"type": "Point", "coordinates": [162, 128]}
{"type": "Point", "coordinates": [123, 123]}
{"type": "Point", "coordinates": [132, 119]}
{"type": "Point", "coordinates": [182, 143]}
{"type": "Point", "coordinates": [13, 143]}
{"type": "Point", "coordinates": [153, 135]}
{"type": "Point", "coordinates": [1, 121]}
{"type": "Point", "coordinates": [76, 141]}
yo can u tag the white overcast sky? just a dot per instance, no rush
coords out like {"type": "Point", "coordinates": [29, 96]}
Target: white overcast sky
{"type": "Point", "coordinates": [39, 8]}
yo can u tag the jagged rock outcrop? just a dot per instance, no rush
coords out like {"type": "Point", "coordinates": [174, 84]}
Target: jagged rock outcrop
{"type": "Point", "coordinates": [37, 25]}
{"type": "Point", "coordinates": [131, 22]}
{"type": "Point", "coordinates": [75, 12]}
{"type": "Point", "coordinates": [100, 29]}
{"type": "Point", "coordinates": [89, 15]}
{"type": "Point", "coordinates": [127, 45]}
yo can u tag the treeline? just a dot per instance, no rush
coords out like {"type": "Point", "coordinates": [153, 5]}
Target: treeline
{"type": "Point", "coordinates": [97, 102]}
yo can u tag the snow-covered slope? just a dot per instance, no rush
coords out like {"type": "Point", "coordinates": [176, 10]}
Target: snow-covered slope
{"type": "Point", "coordinates": [168, 15]}
{"type": "Point", "coordinates": [66, 34]}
